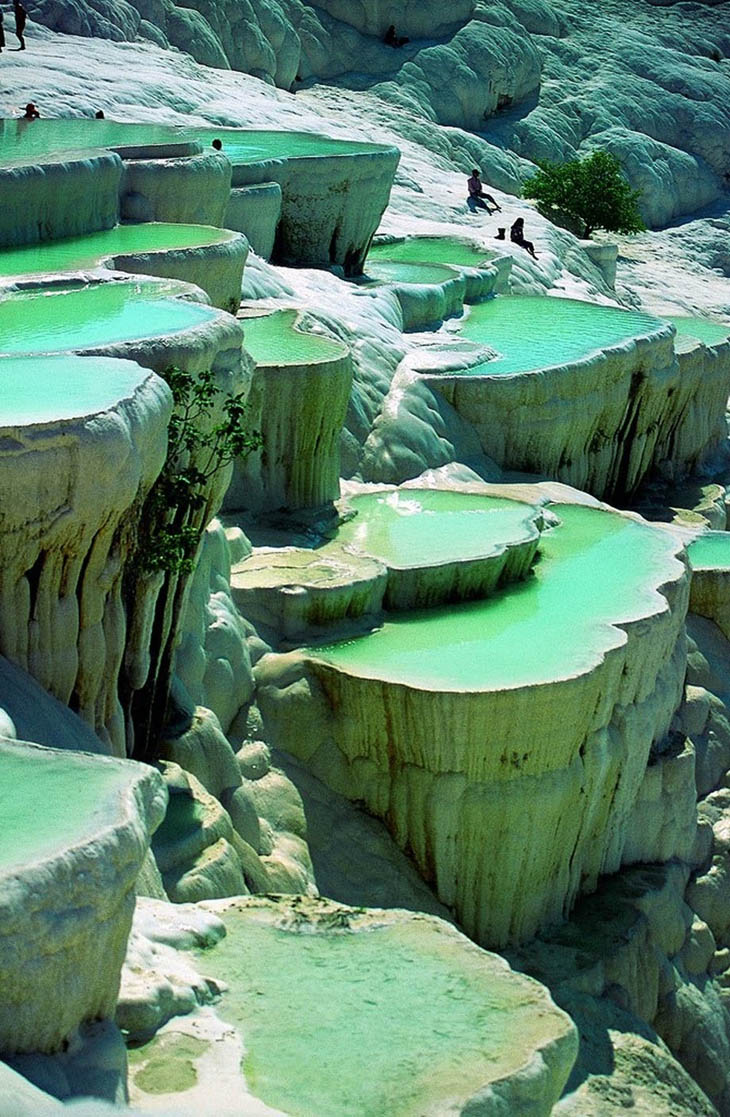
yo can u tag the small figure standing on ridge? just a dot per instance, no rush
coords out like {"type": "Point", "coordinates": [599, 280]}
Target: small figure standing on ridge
{"type": "Point", "coordinates": [2, 32]}
{"type": "Point", "coordinates": [478, 196]}
{"type": "Point", "coordinates": [21, 17]}
{"type": "Point", "coordinates": [392, 40]}
{"type": "Point", "coordinates": [517, 236]}
{"type": "Point", "coordinates": [31, 112]}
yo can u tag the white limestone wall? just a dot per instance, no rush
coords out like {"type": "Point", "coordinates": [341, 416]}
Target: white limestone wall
{"type": "Point", "coordinates": [65, 917]}
{"type": "Point", "coordinates": [331, 205]}
{"type": "Point", "coordinates": [255, 210]}
{"type": "Point", "coordinates": [299, 410]}
{"type": "Point", "coordinates": [508, 843]}
{"type": "Point", "coordinates": [216, 268]}
{"type": "Point", "coordinates": [602, 423]}
{"type": "Point", "coordinates": [70, 493]}
{"type": "Point", "coordinates": [192, 190]}
{"type": "Point", "coordinates": [59, 197]}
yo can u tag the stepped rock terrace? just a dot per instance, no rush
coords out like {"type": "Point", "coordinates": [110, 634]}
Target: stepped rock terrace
{"type": "Point", "coordinates": [404, 1015]}
{"type": "Point", "coordinates": [426, 719]}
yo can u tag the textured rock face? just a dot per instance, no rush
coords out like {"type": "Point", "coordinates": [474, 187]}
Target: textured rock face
{"type": "Point", "coordinates": [452, 770]}
{"type": "Point", "coordinates": [193, 190]}
{"type": "Point", "coordinates": [59, 198]}
{"type": "Point", "coordinates": [604, 422]}
{"type": "Point", "coordinates": [297, 403]}
{"type": "Point", "coordinates": [330, 207]}
{"type": "Point", "coordinates": [67, 893]}
{"type": "Point", "coordinates": [216, 268]}
{"type": "Point", "coordinates": [255, 210]}
{"type": "Point", "coordinates": [71, 490]}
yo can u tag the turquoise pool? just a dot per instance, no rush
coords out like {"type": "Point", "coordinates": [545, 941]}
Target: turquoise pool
{"type": "Point", "coordinates": [49, 389]}
{"type": "Point", "coordinates": [594, 569]}
{"type": "Point", "coordinates": [65, 318]}
{"type": "Point", "coordinates": [531, 332]}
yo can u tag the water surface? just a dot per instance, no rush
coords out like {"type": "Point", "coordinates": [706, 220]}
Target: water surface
{"type": "Point", "coordinates": [48, 802]}
{"type": "Point", "coordinates": [272, 339]}
{"type": "Point", "coordinates": [711, 549]}
{"type": "Point", "coordinates": [594, 569]}
{"type": "Point", "coordinates": [88, 251]}
{"type": "Point", "coordinates": [424, 527]}
{"type": "Point", "coordinates": [63, 387]}
{"type": "Point", "coordinates": [429, 250]}
{"type": "Point", "coordinates": [64, 318]}
{"type": "Point", "coordinates": [533, 331]}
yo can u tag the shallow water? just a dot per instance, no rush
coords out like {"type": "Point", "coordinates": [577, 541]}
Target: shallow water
{"type": "Point", "coordinates": [63, 387]}
{"type": "Point", "coordinates": [390, 1020]}
{"type": "Point", "coordinates": [272, 340]}
{"type": "Point", "coordinates": [48, 802]}
{"type": "Point", "coordinates": [533, 332]}
{"type": "Point", "coordinates": [66, 318]}
{"type": "Point", "coordinates": [595, 568]}
{"type": "Point", "coordinates": [704, 329]}
{"type": "Point", "coordinates": [74, 253]}
{"type": "Point", "coordinates": [20, 139]}
{"type": "Point", "coordinates": [429, 250]}
{"type": "Point", "coordinates": [420, 527]}
{"type": "Point", "coordinates": [392, 271]}
{"type": "Point", "coordinates": [712, 549]}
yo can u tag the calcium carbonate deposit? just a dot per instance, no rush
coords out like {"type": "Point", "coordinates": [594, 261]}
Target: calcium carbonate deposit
{"type": "Point", "coordinates": [364, 560]}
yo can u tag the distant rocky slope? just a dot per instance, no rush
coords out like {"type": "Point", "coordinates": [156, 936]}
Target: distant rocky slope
{"type": "Point", "coordinates": [646, 79]}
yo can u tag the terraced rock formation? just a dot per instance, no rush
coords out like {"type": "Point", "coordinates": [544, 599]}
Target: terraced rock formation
{"type": "Point", "coordinates": [430, 720]}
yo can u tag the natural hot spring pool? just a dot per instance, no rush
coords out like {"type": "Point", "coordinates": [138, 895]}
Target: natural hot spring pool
{"type": "Point", "coordinates": [594, 570]}
{"type": "Point", "coordinates": [428, 527]}
{"type": "Point", "coordinates": [429, 250]}
{"type": "Point", "coordinates": [533, 332]}
{"type": "Point", "coordinates": [74, 253]}
{"type": "Point", "coordinates": [21, 139]}
{"type": "Point", "coordinates": [710, 550]}
{"type": "Point", "coordinates": [272, 339]}
{"type": "Point", "coordinates": [54, 319]}
{"type": "Point", "coordinates": [63, 387]}
{"type": "Point", "coordinates": [399, 1018]}
{"type": "Point", "coordinates": [396, 271]}
{"type": "Point", "coordinates": [77, 801]}
{"type": "Point", "coordinates": [704, 329]}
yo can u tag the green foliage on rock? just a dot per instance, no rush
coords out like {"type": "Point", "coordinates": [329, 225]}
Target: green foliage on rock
{"type": "Point", "coordinates": [205, 434]}
{"type": "Point", "coordinates": [592, 190]}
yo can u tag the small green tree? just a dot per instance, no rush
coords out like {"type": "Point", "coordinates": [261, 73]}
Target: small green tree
{"type": "Point", "coordinates": [593, 190]}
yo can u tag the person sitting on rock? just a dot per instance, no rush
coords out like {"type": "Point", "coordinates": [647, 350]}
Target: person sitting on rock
{"type": "Point", "coordinates": [392, 39]}
{"type": "Point", "coordinates": [478, 196]}
{"type": "Point", "coordinates": [517, 236]}
{"type": "Point", "coordinates": [31, 112]}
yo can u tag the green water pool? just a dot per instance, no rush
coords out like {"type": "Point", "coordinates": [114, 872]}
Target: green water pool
{"type": "Point", "coordinates": [395, 271]}
{"type": "Point", "coordinates": [532, 331]}
{"type": "Point", "coordinates": [73, 253]}
{"type": "Point", "coordinates": [272, 339]}
{"type": "Point", "coordinates": [429, 250]}
{"type": "Point", "coordinates": [711, 549]}
{"type": "Point", "coordinates": [704, 329]}
{"type": "Point", "coordinates": [63, 318]}
{"type": "Point", "coordinates": [594, 569]}
{"type": "Point", "coordinates": [48, 801]}
{"type": "Point", "coordinates": [251, 146]}
{"type": "Point", "coordinates": [49, 389]}
{"type": "Point", "coordinates": [21, 139]}
{"type": "Point", "coordinates": [389, 1020]}
{"type": "Point", "coordinates": [421, 527]}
